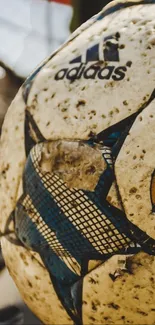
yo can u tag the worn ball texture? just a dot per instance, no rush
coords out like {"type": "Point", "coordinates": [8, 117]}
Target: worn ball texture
{"type": "Point", "coordinates": [77, 182]}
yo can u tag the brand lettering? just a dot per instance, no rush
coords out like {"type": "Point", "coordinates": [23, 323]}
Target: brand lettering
{"type": "Point", "coordinates": [87, 65]}
{"type": "Point", "coordinates": [92, 72]}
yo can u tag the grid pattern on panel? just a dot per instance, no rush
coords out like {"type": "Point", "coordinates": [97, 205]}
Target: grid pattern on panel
{"type": "Point", "coordinates": [49, 236]}
{"type": "Point", "coordinates": [106, 151]}
{"type": "Point", "coordinates": [84, 215]}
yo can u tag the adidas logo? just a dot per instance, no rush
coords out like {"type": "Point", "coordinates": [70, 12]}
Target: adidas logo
{"type": "Point", "coordinates": [105, 51]}
{"type": "Point", "coordinates": [89, 63]}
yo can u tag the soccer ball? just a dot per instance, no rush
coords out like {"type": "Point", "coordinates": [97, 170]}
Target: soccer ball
{"type": "Point", "coordinates": [77, 175]}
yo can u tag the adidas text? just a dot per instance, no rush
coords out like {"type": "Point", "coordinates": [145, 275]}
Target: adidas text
{"type": "Point", "coordinates": [92, 72]}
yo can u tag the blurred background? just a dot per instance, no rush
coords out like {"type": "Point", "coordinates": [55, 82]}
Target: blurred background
{"type": "Point", "coordinates": [30, 30]}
